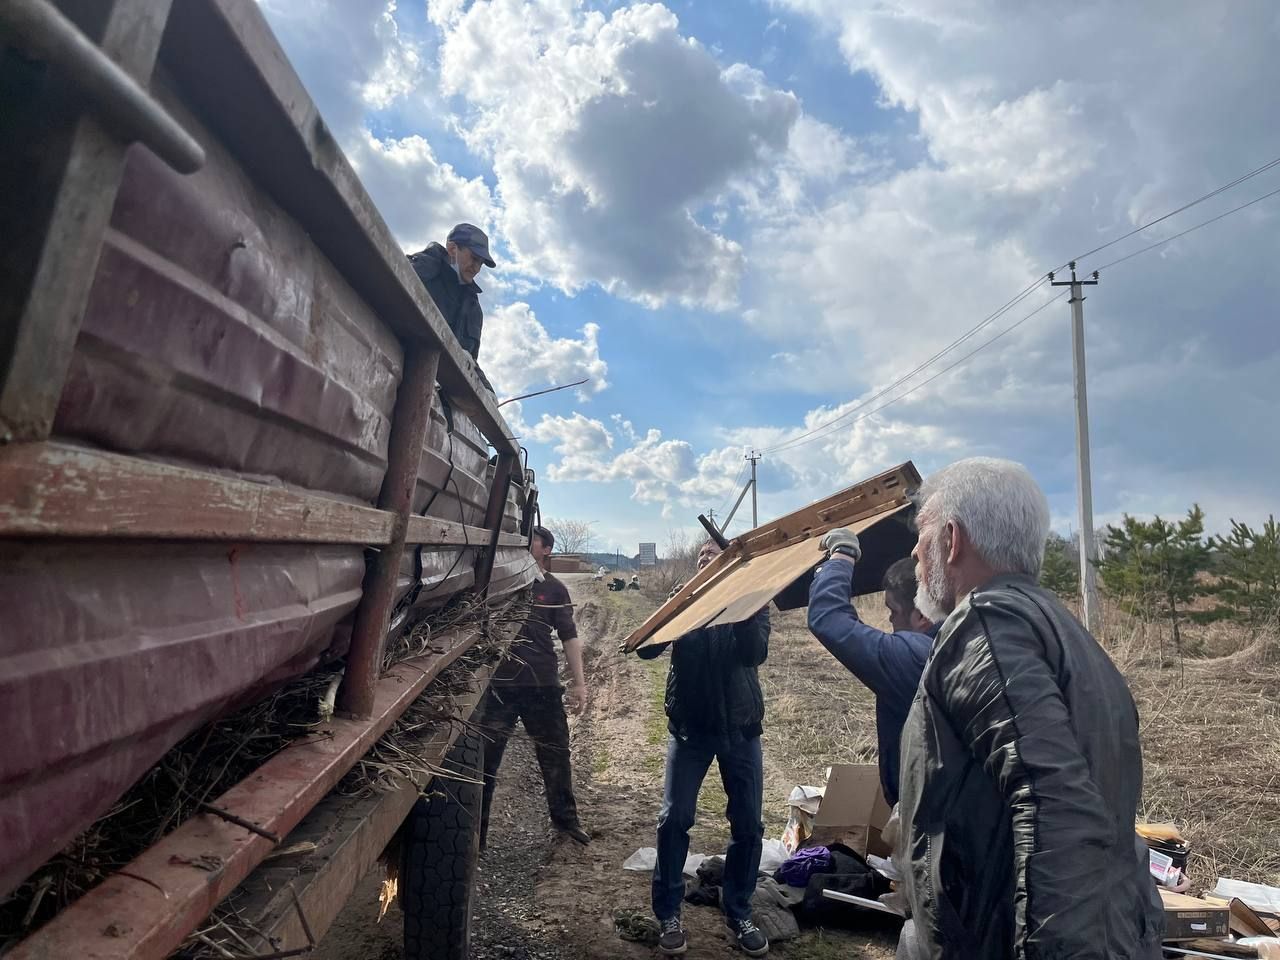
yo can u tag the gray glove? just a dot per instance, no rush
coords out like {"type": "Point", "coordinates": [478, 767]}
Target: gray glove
{"type": "Point", "coordinates": [842, 541]}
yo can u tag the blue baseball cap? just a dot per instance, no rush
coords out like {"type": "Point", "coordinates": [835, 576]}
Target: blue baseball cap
{"type": "Point", "coordinates": [473, 238]}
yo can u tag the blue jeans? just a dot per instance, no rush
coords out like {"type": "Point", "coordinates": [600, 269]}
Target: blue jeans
{"type": "Point", "coordinates": [742, 773]}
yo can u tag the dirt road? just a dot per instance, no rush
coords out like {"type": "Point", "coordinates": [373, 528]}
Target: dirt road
{"type": "Point", "coordinates": [1210, 742]}
{"type": "Point", "coordinates": [544, 898]}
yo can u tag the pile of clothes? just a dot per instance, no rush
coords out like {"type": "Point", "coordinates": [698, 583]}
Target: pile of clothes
{"type": "Point", "coordinates": [793, 893]}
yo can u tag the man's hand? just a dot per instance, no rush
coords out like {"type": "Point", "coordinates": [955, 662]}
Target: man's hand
{"type": "Point", "coordinates": [676, 589]}
{"type": "Point", "coordinates": [842, 542]}
{"type": "Point", "coordinates": [577, 698]}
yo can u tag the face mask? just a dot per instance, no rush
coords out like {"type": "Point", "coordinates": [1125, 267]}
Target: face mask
{"type": "Point", "coordinates": [454, 263]}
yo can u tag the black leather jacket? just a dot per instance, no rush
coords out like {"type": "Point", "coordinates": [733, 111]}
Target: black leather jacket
{"type": "Point", "coordinates": [1021, 775]}
{"type": "Point", "coordinates": [712, 686]}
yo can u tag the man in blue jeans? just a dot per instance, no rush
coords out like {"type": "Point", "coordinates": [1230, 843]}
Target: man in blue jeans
{"type": "Point", "coordinates": [715, 711]}
{"type": "Point", "coordinates": [890, 664]}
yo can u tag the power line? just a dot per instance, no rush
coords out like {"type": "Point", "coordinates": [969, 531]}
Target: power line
{"type": "Point", "coordinates": [1173, 213]}
{"type": "Point", "coordinates": [1026, 292]}
{"type": "Point", "coordinates": [826, 428]}
{"type": "Point", "coordinates": [1161, 243]}
{"type": "Point", "coordinates": [947, 369]}
{"type": "Point", "coordinates": [733, 488]}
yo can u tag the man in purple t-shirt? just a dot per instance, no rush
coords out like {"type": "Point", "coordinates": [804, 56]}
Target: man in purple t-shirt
{"type": "Point", "coordinates": [526, 687]}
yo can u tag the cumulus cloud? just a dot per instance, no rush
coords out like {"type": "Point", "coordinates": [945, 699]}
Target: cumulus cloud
{"type": "Point", "coordinates": [430, 196]}
{"type": "Point", "coordinates": [659, 470]}
{"type": "Point", "coordinates": [609, 136]}
{"type": "Point", "coordinates": [519, 355]}
{"type": "Point", "coordinates": [357, 62]}
{"type": "Point", "coordinates": [1042, 138]}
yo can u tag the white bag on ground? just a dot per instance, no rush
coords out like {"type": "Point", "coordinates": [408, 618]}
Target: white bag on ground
{"type": "Point", "coordinates": [646, 858]}
{"type": "Point", "coordinates": [773, 855]}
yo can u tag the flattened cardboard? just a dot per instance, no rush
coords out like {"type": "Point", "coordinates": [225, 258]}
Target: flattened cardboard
{"type": "Point", "coordinates": [853, 811]}
{"type": "Point", "coordinates": [1190, 918]}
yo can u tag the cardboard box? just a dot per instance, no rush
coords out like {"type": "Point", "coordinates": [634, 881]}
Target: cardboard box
{"type": "Point", "coordinates": [853, 811]}
{"type": "Point", "coordinates": [1190, 918]}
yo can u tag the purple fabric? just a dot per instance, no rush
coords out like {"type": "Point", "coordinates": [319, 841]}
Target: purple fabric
{"type": "Point", "coordinates": [804, 864]}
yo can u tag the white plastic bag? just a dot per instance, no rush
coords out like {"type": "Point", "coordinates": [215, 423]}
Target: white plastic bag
{"type": "Point", "coordinates": [643, 860]}
{"type": "Point", "coordinates": [646, 858]}
{"type": "Point", "coordinates": [773, 855]}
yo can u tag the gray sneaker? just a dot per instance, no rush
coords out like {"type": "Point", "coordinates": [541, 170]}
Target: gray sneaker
{"type": "Point", "coordinates": [750, 939]}
{"type": "Point", "coordinates": [672, 942]}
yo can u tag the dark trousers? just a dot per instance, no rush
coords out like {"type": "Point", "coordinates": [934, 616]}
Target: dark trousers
{"type": "Point", "coordinates": [541, 710]}
{"type": "Point", "coordinates": [742, 773]}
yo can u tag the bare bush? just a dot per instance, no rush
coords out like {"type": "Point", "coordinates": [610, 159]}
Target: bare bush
{"type": "Point", "coordinates": [677, 562]}
{"type": "Point", "coordinates": [572, 536]}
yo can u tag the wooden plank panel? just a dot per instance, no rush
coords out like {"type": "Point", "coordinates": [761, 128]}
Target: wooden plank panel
{"type": "Point", "coordinates": [59, 490]}
{"type": "Point", "coordinates": [710, 593]}
{"type": "Point", "coordinates": [750, 584]}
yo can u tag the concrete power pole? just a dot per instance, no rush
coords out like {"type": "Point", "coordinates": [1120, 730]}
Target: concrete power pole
{"type": "Point", "coordinates": [755, 515]}
{"type": "Point", "coordinates": [1084, 476]}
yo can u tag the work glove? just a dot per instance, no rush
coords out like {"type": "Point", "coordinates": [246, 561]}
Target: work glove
{"type": "Point", "coordinates": [842, 541]}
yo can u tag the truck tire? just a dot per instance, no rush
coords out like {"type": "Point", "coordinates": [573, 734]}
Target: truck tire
{"type": "Point", "coordinates": [439, 850]}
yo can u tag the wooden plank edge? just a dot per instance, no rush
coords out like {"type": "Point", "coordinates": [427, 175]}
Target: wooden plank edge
{"type": "Point", "coordinates": [56, 489]}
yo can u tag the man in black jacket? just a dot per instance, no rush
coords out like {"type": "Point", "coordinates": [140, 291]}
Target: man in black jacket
{"type": "Point", "coordinates": [449, 274]}
{"type": "Point", "coordinates": [715, 711]}
{"type": "Point", "coordinates": [1021, 766]}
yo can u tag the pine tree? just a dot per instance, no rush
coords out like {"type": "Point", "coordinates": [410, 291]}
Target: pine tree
{"type": "Point", "coordinates": [1061, 570]}
{"type": "Point", "coordinates": [1153, 567]}
{"type": "Point", "coordinates": [1248, 563]}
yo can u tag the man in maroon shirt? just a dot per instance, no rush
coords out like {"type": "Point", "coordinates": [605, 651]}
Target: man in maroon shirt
{"type": "Point", "coordinates": [526, 687]}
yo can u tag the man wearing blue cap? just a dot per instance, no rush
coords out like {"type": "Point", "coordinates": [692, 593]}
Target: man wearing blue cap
{"type": "Point", "coordinates": [449, 274]}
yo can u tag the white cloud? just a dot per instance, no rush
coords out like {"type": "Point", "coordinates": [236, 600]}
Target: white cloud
{"type": "Point", "coordinates": [430, 196]}
{"type": "Point", "coordinates": [608, 136]}
{"type": "Point", "coordinates": [356, 61]}
{"type": "Point", "coordinates": [518, 354]}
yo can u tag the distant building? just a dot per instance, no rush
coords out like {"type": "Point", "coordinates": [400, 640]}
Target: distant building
{"type": "Point", "coordinates": [648, 555]}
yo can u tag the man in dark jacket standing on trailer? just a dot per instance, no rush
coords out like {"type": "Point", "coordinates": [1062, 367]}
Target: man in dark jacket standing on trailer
{"type": "Point", "coordinates": [889, 664]}
{"type": "Point", "coordinates": [449, 274]}
{"type": "Point", "coordinates": [526, 687]}
{"type": "Point", "coordinates": [715, 711]}
{"type": "Point", "coordinates": [1021, 765]}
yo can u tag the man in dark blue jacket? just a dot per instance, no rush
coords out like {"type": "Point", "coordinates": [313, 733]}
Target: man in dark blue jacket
{"type": "Point", "coordinates": [889, 664]}
{"type": "Point", "coordinates": [715, 711]}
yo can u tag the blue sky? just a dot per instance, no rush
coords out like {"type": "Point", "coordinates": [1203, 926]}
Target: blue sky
{"type": "Point", "coordinates": [743, 219]}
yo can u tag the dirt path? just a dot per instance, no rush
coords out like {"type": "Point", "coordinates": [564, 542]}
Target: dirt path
{"type": "Point", "coordinates": [1210, 743]}
{"type": "Point", "coordinates": [544, 898]}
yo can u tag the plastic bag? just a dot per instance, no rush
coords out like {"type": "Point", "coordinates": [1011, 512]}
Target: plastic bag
{"type": "Point", "coordinates": [804, 801]}
{"type": "Point", "coordinates": [773, 854]}
{"type": "Point", "coordinates": [646, 858]}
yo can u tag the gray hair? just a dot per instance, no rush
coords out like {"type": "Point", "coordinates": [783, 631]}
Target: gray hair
{"type": "Point", "coordinates": [1000, 506]}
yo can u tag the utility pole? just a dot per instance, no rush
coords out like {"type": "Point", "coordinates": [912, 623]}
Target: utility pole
{"type": "Point", "coordinates": [754, 457]}
{"type": "Point", "coordinates": [1084, 476]}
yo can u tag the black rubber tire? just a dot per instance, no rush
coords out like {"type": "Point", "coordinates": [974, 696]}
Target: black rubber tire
{"type": "Point", "coordinates": [440, 845]}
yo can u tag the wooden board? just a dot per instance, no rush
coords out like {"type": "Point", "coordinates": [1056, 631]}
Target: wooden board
{"type": "Point", "coordinates": [61, 490]}
{"type": "Point", "coordinates": [763, 562]}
